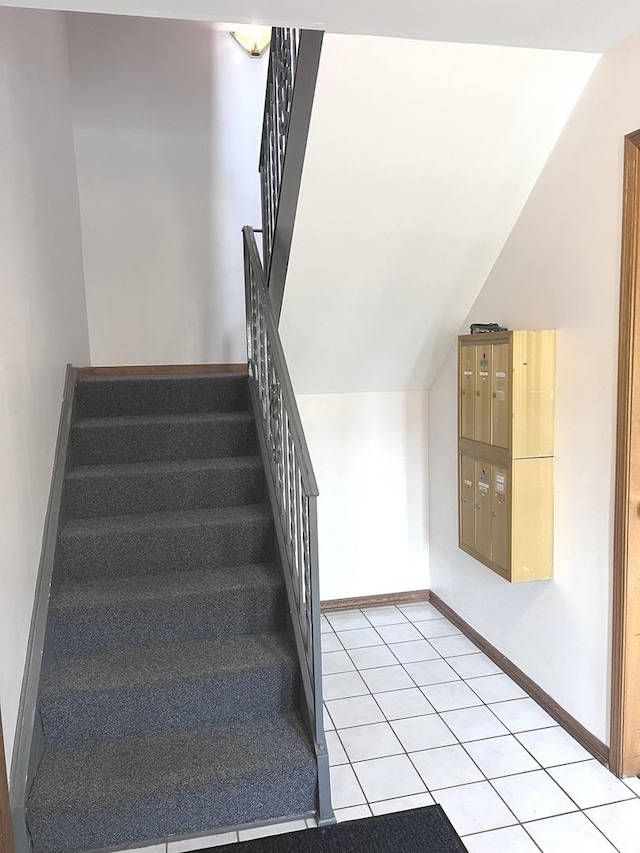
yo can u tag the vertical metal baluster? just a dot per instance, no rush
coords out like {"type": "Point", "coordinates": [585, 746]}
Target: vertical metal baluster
{"type": "Point", "coordinates": [300, 550]}
{"type": "Point", "coordinates": [291, 502]}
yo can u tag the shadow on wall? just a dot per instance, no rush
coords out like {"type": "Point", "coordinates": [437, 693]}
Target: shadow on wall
{"type": "Point", "coordinates": [167, 118]}
{"type": "Point", "coordinates": [370, 457]}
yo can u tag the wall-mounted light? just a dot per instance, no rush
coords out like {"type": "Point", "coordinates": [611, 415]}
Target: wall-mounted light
{"type": "Point", "coordinates": [255, 40]}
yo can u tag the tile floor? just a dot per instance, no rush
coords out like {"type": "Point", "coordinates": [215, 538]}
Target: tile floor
{"type": "Point", "coordinates": [416, 714]}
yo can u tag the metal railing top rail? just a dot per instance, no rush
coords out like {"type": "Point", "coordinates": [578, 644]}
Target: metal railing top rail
{"type": "Point", "coordinates": [304, 457]}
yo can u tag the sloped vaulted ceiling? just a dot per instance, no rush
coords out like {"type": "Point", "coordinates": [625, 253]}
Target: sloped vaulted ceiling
{"type": "Point", "coordinates": [420, 158]}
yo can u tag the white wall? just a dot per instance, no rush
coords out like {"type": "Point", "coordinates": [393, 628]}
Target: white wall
{"type": "Point", "coordinates": [369, 454]}
{"type": "Point", "coordinates": [559, 270]}
{"type": "Point", "coordinates": [420, 158]}
{"type": "Point", "coordinates": [43, 321]}
{"type": "Point", "coordinates": [167, 119]}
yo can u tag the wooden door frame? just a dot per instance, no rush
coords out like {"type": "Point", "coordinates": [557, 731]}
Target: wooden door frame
{"type": "Point", "coordinates": [6, 828]}
{"type": "Point", "coordinates": [625, 685]}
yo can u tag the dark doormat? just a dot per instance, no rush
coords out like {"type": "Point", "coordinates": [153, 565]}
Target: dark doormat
{"type": "Point", "coordinates": [425, 830]}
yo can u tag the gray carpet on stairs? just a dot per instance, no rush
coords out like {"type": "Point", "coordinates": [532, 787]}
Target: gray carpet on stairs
{"type": "Point", "coordinates": [171, 705]}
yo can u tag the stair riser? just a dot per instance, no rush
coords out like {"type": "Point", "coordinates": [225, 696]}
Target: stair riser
{"type": "Point", "coordinates": [276, 792]}
{"type": "Point", "coordinates": [157, 442]}
{"type": "Point", "coordinates": [161, 395]}
{"type": "Point", "coordinates": [96, 630]}
{"type": "Point", "coordinates": [133, 492]}
{"type": "Point", "coordinates": [194, 548]}
{"type": "Point", "coordinates": [231, 697]}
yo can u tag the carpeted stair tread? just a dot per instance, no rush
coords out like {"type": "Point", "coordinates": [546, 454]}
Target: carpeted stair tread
{"type": "Point", "coordinates": [136, 487]}
{"type": "Point", "coordinates": [128, 692]}
{"type": "Point", "coordinates": [149, 522]}
{"type": "Point", "coordinates": [188, 540]}
{"type": "Point", "coordinates": [160, 394]}
{"type": "Point", "coordinates": [164, 466]}
{"type": "Point", "coordinates": [171, 586]}
{"type": "Point", "coordinates": [135, 438]}
{"type": "Point", "coordinates": [117, 793]}
{"type": "Point", "coordinates": [90, 616]}
{"type": "Point", "coordinates": [165, 664]}
{"type": "Point", "coordinates": [133, 421]}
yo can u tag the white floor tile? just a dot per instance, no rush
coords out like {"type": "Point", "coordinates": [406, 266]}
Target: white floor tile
{"type": "Point", "coordinates": [451, 696]}
{"type": "Point", "coordinates": [474, 808]}
{"type": "Point", "coordinates": [496, 688]}
{"type": "Point", "coordinates": [533, 795]}
{"type": "Point", "coordinates": [553, 746]}
{"type": "Point", "coordinates": [333, 662]}
{"type": "Point", "coordinates": [347, 620]}
{"type": "Point", "coordinates": [352, 813]}
{"type": "Point", "coordinates": [360, 638]}
{"type": "Point", "coordinates": [384, 616]}
{"type": "Point", "coordinates": [417, 733]}
{"type": "Point", "coordinates": [330, 642]}
{"type": "Point", "coordinates": [402, 804]}
{"type": "Point", "coordinates": [201, 843]}
{"type": "Point", "coordinates": [398, 704]}
{"type": "Point", "coordinates": [445, 767]}
{"type": "Point", "coordinates": [372, 656]}
{"type": "Point", "coordinates": [634, 783]}
{"type": "Point", "coordinates": [474, 666]}
{"type": "Point", "coordinates": [337, 755]}
{"type": "Point", "coordinates": [345, 789]}
{"type": "Point", "coordinates": [324, 624]}
{"type": "Point", "coordinates": [420, 612]}
{"type": "Point", "coordinates": [436, 628]}
{"type": "Point", "coordinates": [151, 848]}
{"type": "Point", "coordinates": [513, 839]}
{"type": "Point", "coordinates": [386, 678]}
{"type": "Point", "coordinates": [620, 822]}
{"type": "Point", "coordinates": [387, 778]}
{"type": "Point", "coordinates": [568, 832]}
{"type": "Point", "coordinates": [376, 740]}
{"type": "Point", "coordinates": [328, 722]}
{"type": "Point", "coordinates": [413, 651]}
{"type": "Point", "coordinates": [399, 633]}
{"type": "Point", "coordinates": [590, 784]}
{"type": "Point", "coordinates": [473, 723]}
{"type": "Point", "coordinates": [272, 829]}
{"type": "Point", "coordinates": [522, 715]}
{"type": "Point", "coordinates": [431, 672]}
{"type": "Point", "coordinates": [354, 712]}
{"type": "Point", "coordinates": [455, 646]}
{"type": "Point", "coordinates": [343, 685]}
{"type": "Point", "coordinates": [501, 756]}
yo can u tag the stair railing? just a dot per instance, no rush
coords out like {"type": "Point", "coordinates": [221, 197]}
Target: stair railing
{"type": "Point", "coordinates": [294, 59]}
{"type": "Point", "coordinates": [293, 493]}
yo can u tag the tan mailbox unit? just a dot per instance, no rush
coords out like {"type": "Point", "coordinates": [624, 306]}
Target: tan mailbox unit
{"type": "Point", "coordinates": [505, 442]}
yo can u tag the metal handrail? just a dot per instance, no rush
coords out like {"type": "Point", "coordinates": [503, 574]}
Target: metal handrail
{"type": "Point", "coordinates": [283, 60]}
{"type": "Point", "coordinates": [280, 364]}
{"type": "Point", "coordinates": [293, 493]}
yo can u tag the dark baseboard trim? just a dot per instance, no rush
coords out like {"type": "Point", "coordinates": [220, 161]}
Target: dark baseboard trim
{"type": "Point", "coordinates": [162, 369]}
{"type": "Point", "coordinates": [375, 600]}
{"type": "Point", "coordinates": [584, 737]}
{"type": "Point", "coordinates": [28, 743]}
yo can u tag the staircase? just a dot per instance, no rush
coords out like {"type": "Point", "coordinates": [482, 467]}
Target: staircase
{"type": "Point", "coordinates": [171, 704]}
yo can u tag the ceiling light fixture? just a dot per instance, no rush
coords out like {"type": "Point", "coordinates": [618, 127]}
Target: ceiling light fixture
{"type": "Point", "coordinates": [254, 40]}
